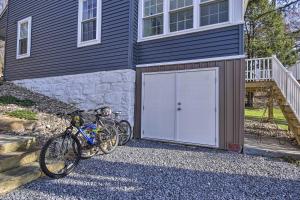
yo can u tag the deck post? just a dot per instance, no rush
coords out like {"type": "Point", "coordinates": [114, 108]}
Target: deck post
{"type": "Point", "coordinates": [270, 105]}
{"type": "Point", "coordinates": [250, 97]}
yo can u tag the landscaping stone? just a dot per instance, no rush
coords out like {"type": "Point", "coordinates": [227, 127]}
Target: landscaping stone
{"type": "Point", "coordinates": [15, 125]}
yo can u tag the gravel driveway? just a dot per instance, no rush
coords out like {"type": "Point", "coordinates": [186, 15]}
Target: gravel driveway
{"type": "Point", "coordinates": [150, 170]}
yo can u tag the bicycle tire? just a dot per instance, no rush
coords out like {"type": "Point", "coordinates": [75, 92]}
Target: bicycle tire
{"type": "Point", "coordinates": [104, 148]}
{"type": "Point", "coordinates": [66, 169]}
{"type": "Point", "coordinates": [124, 139]}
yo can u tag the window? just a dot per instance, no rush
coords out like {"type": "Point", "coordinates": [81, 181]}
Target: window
{"type": "Point", "coordinates": [213, 12]}
{"type": "Point", "coordinates": [153, 17]}
{"type": "Point", "coordinates": [162, 18]}
{"type": "Point", "coordinates": [181, 15]}
{"type": "Point", "coordinates": [24, 38]}
{"type": "Point", "coordinates": [89, 22]}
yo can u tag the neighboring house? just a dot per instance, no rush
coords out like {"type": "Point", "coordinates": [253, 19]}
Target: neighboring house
{"type": "Point", "coordinates": [174, 67]}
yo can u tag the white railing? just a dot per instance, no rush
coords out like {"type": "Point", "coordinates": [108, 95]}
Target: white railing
{"type": "Point", "coordinates": [259, 69]}
{"type": "Point", "coordinates": [288, 85]}
{"type": "Point", "coordinates": [295, 69]}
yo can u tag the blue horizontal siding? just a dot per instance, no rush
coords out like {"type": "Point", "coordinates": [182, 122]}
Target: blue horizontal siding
{"type": "Point", "coordinates": [54, 49]}
{"type": "Point", "coordinates": [206, 44]}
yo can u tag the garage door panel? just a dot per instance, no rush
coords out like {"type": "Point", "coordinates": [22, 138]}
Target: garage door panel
{"type": "Point", "coordinates": [196, 121]}
{"type": "Point", "coordinates": [158, 112]}
{"type": "Point", "coordinates": [181, 106]}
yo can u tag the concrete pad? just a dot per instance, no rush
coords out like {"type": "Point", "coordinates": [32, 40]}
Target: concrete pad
{"type": "Point", "coordinates": [270, 147]}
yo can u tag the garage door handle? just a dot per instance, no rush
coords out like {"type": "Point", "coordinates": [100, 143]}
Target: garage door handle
{"type": "Point", "coordinates": [179, 109]}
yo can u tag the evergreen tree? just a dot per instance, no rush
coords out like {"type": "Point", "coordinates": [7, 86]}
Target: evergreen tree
{"type": "Point", "coordinates": [266, 33]}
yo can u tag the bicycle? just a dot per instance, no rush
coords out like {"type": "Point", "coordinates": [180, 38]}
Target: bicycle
{"type": "Point", "coordinates": [68, 151]}
{"type": "Point", "coordinates": [124, 127]}
{"type": "Point", "coordinates": [61, 154]}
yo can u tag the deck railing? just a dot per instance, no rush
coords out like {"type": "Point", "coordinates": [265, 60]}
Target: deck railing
{"type": "Point", "coordinates": [271, 69]}
{"type": "Point", "coordinates": [259, 69]}
{"type": "Point", "coordinates": [288, 85]}
{"type": "Point", "coordinates": [295, 69]}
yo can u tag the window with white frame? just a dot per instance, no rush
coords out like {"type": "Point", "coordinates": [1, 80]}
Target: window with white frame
{"type": "Point", "coordinates": [159, 18]}
{"type": "Point", "coordinates": [213, 12]}
{"type": "Point", "coordinates": [181, 15]}
{"type": "Point", "coordinates": [24, 38]}
{"type": "Point", "coordinates": [89, 22]}
{"type": "Point", "coordinates": [153, 18]}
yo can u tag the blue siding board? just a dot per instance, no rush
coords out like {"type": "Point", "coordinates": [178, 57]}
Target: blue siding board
{"type": "Point", "coordinates": [191, 46]}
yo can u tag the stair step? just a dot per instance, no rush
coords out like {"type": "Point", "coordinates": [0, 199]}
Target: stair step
{"type": "Point", "coordinates": [10, 143]}
{"type": "Point", "coordinates": [16, 159]}
{"type": "Point", "coordinates": [17, 177]}
{"type": "Point", "coordinates": [14, 178]}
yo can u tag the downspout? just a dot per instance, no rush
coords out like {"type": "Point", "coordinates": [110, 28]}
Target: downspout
{"type": "Point", "coordinates": [5, 46]}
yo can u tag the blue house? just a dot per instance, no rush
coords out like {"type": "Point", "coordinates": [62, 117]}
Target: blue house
{"type": "Point", "coordinates": [175, 68]}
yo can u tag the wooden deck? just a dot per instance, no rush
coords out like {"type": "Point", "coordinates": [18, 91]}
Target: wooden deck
{"type": "Point", "coordinates": [254, 86]}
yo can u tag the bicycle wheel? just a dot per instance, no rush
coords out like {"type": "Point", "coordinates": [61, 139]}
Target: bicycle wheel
{"type": "Point", "coordinates": [87, 151]}
{"type": "Point", "coordinates": [108, 139]}
{"type": "Point", "coordinates": [125, 131]}
{"type": "Point", "coordinates": [58, 158]}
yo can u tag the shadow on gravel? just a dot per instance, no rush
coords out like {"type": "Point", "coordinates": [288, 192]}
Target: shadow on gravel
{"type": "Point", "coordinates": [169, 146]}
{"type": "Point", "coordinates": [98, 179]}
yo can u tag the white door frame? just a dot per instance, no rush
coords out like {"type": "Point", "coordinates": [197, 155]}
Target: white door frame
{"type": "Point", "coordinates": [216, 69]}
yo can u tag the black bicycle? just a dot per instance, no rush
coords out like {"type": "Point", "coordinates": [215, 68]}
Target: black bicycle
{"type": "Point", "coordinates": [124, 128]}
{"type": "Point", "coordinates": [61, 153]}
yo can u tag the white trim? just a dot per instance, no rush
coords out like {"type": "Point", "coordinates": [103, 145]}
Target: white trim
{"type": "Point", "coordinates": [98, 28]}
{"type": "Point", "coordinates": [196, 25]}
{"type": "Point", "coordinates": [217, 131]}
{"type": "Point", "coordinates": [192, 61]}
{"type": "Point", "coordinates": [29, 21]}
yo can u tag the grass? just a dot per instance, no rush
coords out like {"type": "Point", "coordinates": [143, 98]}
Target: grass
{"type": "Point", "coordinates": [257, 113]}
{"type": "Point", "coordinates": [5, 100]}
{"type": "Point", "coordinates": [23, 114]}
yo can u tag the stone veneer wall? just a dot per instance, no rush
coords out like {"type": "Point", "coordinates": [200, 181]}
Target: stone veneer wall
{"type": "Point", "coordinates": [90, 90]}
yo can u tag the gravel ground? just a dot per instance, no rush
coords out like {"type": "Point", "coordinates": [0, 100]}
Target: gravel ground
{"type": "Point", "coordinates": [150, 170]}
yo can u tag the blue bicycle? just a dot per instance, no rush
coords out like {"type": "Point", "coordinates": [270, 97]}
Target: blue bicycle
{"type": "Point", "coordinates": [62, 153]}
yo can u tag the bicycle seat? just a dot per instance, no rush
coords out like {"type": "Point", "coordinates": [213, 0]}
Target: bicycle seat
{"type": "Point", "coordinates": [117, 113]}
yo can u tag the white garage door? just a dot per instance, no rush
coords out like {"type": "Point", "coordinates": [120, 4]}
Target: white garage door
{"type": "Point", "coordinates": [181, 106]}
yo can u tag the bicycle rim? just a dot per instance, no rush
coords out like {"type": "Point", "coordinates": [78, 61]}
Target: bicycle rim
{"type": "Point", "coordinates": [58, 157]}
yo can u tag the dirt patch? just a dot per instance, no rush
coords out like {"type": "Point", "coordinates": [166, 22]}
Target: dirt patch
{"type": "Point", "coordinates": [265, 128]}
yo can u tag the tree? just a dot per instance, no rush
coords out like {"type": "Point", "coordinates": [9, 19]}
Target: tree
{"type": "Point", "coordinates": [266, 32]}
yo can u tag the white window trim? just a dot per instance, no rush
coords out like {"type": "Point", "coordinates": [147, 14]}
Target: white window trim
{"type": "Point", "coordinates": [98, 26]}
{"type": "Point", "coordinates": [196, 28]}
{"type": "Point", "coordinates": [29, 20]}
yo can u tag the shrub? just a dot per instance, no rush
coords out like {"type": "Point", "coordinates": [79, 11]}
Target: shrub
{"type": "Point", "coordinates": [23, 114]}
{"type": "Point", "coordinates": [5, 100]}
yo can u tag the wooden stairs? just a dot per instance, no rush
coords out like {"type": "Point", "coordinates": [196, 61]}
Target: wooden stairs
{"type": "Point", "coordinates": [270, 72]}
{"type": "Point", "coordinates": [290, 116]}
{"type": "Point", "coordinates": [18, 162]}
